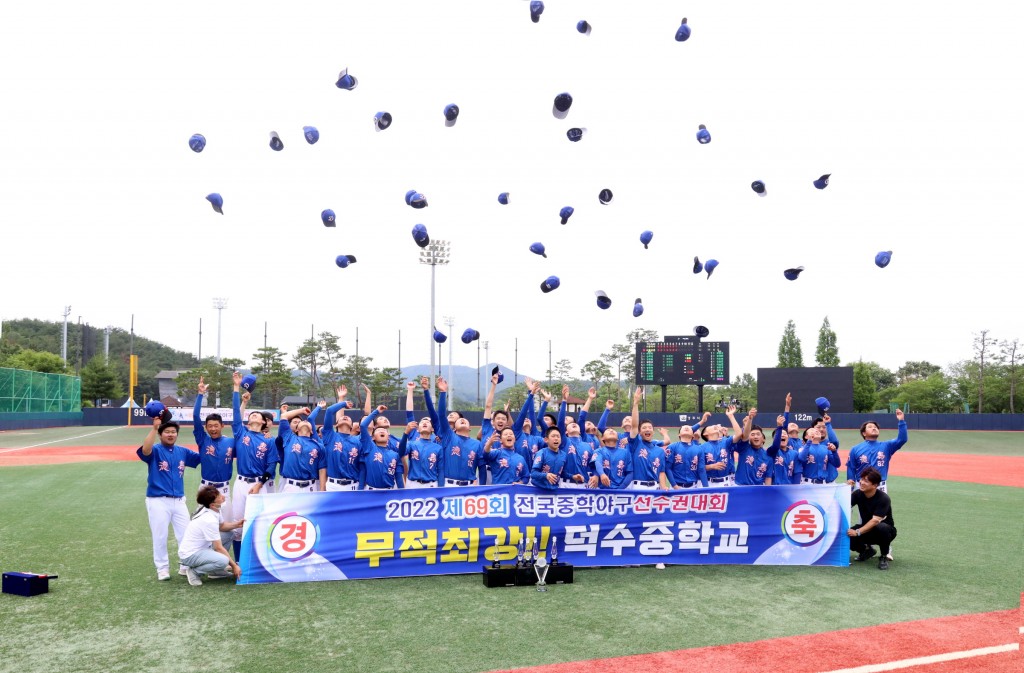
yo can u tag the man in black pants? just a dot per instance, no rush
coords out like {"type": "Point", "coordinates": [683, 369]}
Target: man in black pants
{"type": "Point", "coordinates": [877, 526]}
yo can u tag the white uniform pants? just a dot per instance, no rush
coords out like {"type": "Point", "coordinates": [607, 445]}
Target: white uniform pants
{"type": "Point", "coordinates": [241, 493]}
{"type": "Point", "coordinates": [332, 486]}
{"type": "Point", "coordinates": [409, 483]}
{"type": "Point", "coordinates": [293, 486]}
{"type": "Point", "coordinates": [165, 512]}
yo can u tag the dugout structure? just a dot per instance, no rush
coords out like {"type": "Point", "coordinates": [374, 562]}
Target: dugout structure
{"type": "Point", "coordinates": [25, 392]}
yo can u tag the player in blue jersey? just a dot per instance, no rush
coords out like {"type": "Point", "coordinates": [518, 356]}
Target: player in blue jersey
{"type": "Point", "coordinates": [578, 454]}
{"type": "Point", "coordinates": [507, 466]}
{"type": "Point", "coordinates": [460, 450]}
{"type": "Point", "coordinates": [379, 459]}
{"type": "Point", "coordinates": [686, 461]}
{"type": "Point", "coordinates": [648, 457]}
{"type": "Point", "coordinates": [549, 463]}
{"type": "Point", "coordinates": [305, 463]}
{"type": "Point", "coordinates": [165, 489]}
{"type": "Point", "coordinates": [753, 467]}
{"type": "Point", "coordinates": [816, 457]}
{"type": "Point", "coordinates": [613, 464]}
{"type": "Point", "coordinates": [421, 453]}
{"type": "Point", "coordinates": [782, 457]}
{"type": "Point", "coordinates": [341, 445]}
{"type": "Point", "coordinates": [216, 451]}
{"type": "Point", "coordinates": [718, 450]}
{"type": "Point", "coordinates": [876, 454]}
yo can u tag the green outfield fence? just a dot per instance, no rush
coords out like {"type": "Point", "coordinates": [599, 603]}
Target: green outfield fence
{"type": "Point", "coordinates": [34, 392]}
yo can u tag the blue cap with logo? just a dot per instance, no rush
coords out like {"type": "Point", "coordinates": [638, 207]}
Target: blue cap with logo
{"type": "Point", "coordinates": [346, 81]}
{"type": "Point", "coordinates": [503, 198]}
{"type": "Point", "coordinates": [155, 408]}
{"type": "Point", "coordinates": [683, 32]}
{"type": "Point", "coordinates": [536, 9]}
{"type": "Point", "coordinates": [439, 336]}
{"type": "Point", "coordinates": [759, 188]}
{"type": "Point", "coordinates": [823, 404]}
{"type": "Point", "coordinates": [703, 135]}
{"type": "Point", "coordinates": [538, 249]}
{"type": "Point", "coordinates": [197, 142]}
{"type": "Point", "coordinates": [497, 370]}
{"type": "Point", "coordinates": [328, 217]}
{"type": "Point", "coordinates": [415, 199]}
{"type": "Point", "coordinates": [563, 102]}
{"type": "Point", "coordinates": [697, 266]}
{"type": "Point", "coordinates": [710, 265]}
{"type": "Point", "coordinates": [216, 201]}
{"type": "Point", "coordinates": [311, 134]}
{"type": "Point", "coordinates": [451, 114]}
{"type": "Point", "coordinates": [605, 197]}
{"type": "Point", "coordinates": [646, 237]}
{"type": "Point", "coordinates": [566, 213]}
{"type": "Point", "coordinates": [419, 234]}
{"type": "Point", "coordinates": [883, 258]}
{"type": "Point", "coordinates": [344, 260]}
{"type": "Point", "coordinates": [276, 143]}
{"type": "Point", "coordinates": [248, 383]}
{"type": "Point", "coordinates": [550, 283]}
{"type": "Point", "coordinates": [822, 182]}
{"type": "Point", "coordinates": [638, 308]}
{"type": "Point", "coordinates": [792, 274]}
{"type": "Point", "coordinates": [603, 301]}
{"type": "Point", "coordinates": [470, 335]}
{"type": "Point", "coordinates": [583, 27]}
{"type": "Point", "coordinates": [382, 120]}
{"type": "Point", "coordinates": [575, 134]}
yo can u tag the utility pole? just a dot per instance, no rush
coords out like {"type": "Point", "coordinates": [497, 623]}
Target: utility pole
{"type": "Point", "coordinates": [106, 343]}
{"type": "Point", "coordinates": [450, 322]}
{"type": "Point", "coordinates": [200, 358]}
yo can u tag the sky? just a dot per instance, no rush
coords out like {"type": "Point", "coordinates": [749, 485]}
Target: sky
{"type": "Point", "coordinates": [913, 109]}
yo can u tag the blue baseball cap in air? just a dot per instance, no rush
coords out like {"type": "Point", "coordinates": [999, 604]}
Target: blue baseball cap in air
{"type": "Point", "coordinates": [566, 213]}
{"type": "Point", "coordinates": [646, 237]}
{"type": "Point", "coordinates": [538, 249]}
{"type": "Point", "coordinates": [710, 265]}
{"type": "Point", "coordinates": [883, 258]}
{"type": "Point", "coordinates": [822, 404]}
{"type": "Point", "coordinates": [497, 370]}
{"type": "Point", "coordinates": [415, 199]}
{"type": "Point", "coordinates": [470, 335]}
{"type": "Point", "coordinates": [605, 196]}
{"type": "Point", "coordinates": [503, 198]}
{"type": "Point", "coordinates": [697, 266]}
{"type": "Point", "coordinates": [312, 135]}
{"type": "Point", "coordinates": [328, 217]}
{"type": "Point", "coordinates": [419, 234]}
{"type": "Point", "coordinates": [381, 120]}
{"type": "Point", "coordinates": [703, 135]}
{"type": "Point", "coordinates": [550, 283]}
{"type": "Point", "coordinates": [822, 182]}
{"type": "Point", "coordinates": [344, 260]}
{"type": "Point", "coordinates": [603, 301]}
{"type": "Point", "coordinates": [583, 27]}
{"type": "Point", "coordinates": [536, 9]}
{"type": "Point", "coordinates": [197, 142]}
{"type": "Point", "coordinates": [439, 336]}
{"type": "Point", "coordinates": [793, 274]}
{"type": "Point", "coordinates": [574, 134]}
{"type": "Point", "coordinates": [346, 81]}
{"type": "Point", "coordinates": [638, 308]}
{"type": "Point", "coordinates": [759, 188]}
{"type": "Point", "coordinates": [563, 102]}
{"type": "Point", "coordinates": [451, 114]}
{"type": "Point", "coordinates": [683, 32]}
{"type": "Point", "coordinates": [275, 142]}
{"type": "Point", "coordinates": [248, 383]}
{"type": "Point", "coordinates": [216, 201]}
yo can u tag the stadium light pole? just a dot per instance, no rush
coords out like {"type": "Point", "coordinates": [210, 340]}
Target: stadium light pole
{"type": "Point", "coordinates": [219, 303]}
{"type": "Point", "coordinates": [436, 253]}
{"type": "Point", "coordinates": [449, 321]}
{"type": "Point", "coordinates": [64, 343]}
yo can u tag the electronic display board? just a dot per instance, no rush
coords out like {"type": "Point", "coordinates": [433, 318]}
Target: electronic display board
{"type": "Point", "coordinates": [682, 361]}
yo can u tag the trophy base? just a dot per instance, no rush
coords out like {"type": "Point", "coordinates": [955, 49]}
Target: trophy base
{"type": "Point", "coordinates": [523, 576]}
{"type": "Point", "coordinates": [502, 576]}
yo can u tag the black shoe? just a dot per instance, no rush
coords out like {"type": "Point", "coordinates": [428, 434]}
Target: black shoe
{"type": "Point", "coordinates": [883, 563]}
{"type": "Point", "coordinates": [866, 554]}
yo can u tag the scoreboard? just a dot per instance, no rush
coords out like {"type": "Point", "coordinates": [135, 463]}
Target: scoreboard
{"type": "Point", "coordinates": [682, 360]}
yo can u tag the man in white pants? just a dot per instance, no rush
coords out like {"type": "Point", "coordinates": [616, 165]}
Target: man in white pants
{"type": "Point", "coordinates": [165, 489]}
{"type": "Point", "coordinates": [201, 551]}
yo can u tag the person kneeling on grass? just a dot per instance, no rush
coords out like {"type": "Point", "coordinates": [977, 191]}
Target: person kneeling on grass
{"type": "Point", "coordinates": [877, 526]}
{"type": "Point", "coordinates": [201, 551]}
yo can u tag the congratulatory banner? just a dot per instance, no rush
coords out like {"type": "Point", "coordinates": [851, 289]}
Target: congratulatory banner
{"type": "Point", "coordinates": [308, 537]}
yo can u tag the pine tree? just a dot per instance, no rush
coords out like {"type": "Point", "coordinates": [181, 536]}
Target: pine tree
{"type": "Point", "coordinates": [827, 353]}
{"type": "Point", "coordinates": [790, 353]}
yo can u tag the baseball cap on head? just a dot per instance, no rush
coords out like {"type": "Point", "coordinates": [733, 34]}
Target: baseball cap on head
{"type": "Point", "coordinates": [503, 198]}
{"type": "Point", "coordinates": [822, 182]}
{"type": "Point", "coordinates": [710, 265]}
{"type": "Point", "coordinates": [697, 266]}
{"type": "Point", "coordinates": [605, 196]}
{"type": "Point", "coordinates": [216, 201]}
{"type": "Point", "coordinates": [248, 383]}
{"type": "Point", "coordinates": [575, 134]}
{"type": "Point", "coordinates": [439, 336]}
{"type": "Point", "coordinates": [451, 114]}
{"type": "Point", "coordinates": [550, 283]}
{"type": "Point", "coordinates": [563, 102]}
{"type": "Point", "coordinates": [646, 237]}
{"type": "Point", "coordinates": [883, 258]}
{"type": "Point", "coordinates": [419, 234]}
{"type": "Point", "coordinates": [276, 143]}
{"type": "Point", "coordinates": [382, 120]}
{"type": "Point", "coordinates": [583, 27]}
{"type": "Point", "coordinates": [197, 142]}
{"type": "Point", "coordinates": [346, 81]}
{"type": "Point", "coordinates": [566, 213]}
{"type": "Point", "coordinates": [328, 217]}
{"type": "Point", "coordinates": [536, 9]}
{"type": "Point", "coordinates": [759, 188]}
{"type": "Point", "coordinates": [703, 135]}
{"type": "Point", "coordinates": [470, 335]}
{"type": "Point", "coordinates": [683, 32]}
{"type": "Point", "coordinates": [311, 134]}
{"type": "Point", "coordinates": [538, 249]}
{"type": "Point", "coordinates": [638, 308]}
{"type": "Point", "coordinates": [497, 370]}
{"type": "Point", "coordinates": [344, 260]}
{"type": "Point", "coordinates": [603, 302]}
{"type": "Point", "coordinates": [793, 274]}
{"type": "Point", "coordinates": [823, 404]}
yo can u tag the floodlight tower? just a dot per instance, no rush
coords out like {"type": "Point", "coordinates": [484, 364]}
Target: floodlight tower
{"type": "Point", "coordinates": [435, 254]}
{"type": "Point", "coordinates": [219, 303]}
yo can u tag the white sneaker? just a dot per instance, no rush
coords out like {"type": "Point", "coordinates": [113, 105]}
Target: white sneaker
{"type": "Point", "coordinates": [889, 556]}
{"type": "Point", "coordinates": [660, 566]}
{"type": "Point", "coordinates": [163, 574]}
{"type": "Point", "coordinates": [193, 577]}
{"type": "Point", "coordinates": [223, 575]}
{"type": "Point", "coordinates": [183, 571]}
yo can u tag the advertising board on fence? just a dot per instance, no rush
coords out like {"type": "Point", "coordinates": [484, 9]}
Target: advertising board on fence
{"type": "Point", "coordinates": [307, 537]}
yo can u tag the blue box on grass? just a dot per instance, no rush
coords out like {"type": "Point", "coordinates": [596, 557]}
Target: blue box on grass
{"type": "Point", "coordinates": [26, 584]}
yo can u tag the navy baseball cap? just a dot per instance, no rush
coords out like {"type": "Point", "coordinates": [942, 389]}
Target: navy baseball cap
{"type": "Point", "coordinates": [248, 383]}
{"type": "Point", "coordinates": [328, 217]}
{"type": "Point", "coordinates": [697, 266]}
{"type": "Point", "coordinates": [536, 9]}
{"type": "Point", "coordinates": [497, 370]}
{"type": "Point", "coordinates": [216, 201]}
{"type": "Point", "coordinates": [197, 142]}
{"type": "Point", "coordinates": [759, 188]}
{"type": "Point", "coordinates": [605, 196]}
{"type": "Point", "coordinates": [381, 120]}
{"type": "Point", "coordinates": [439, 336]}
{"type": "Point", "coordinates": [792, 274]}
{"type": "Point", "coordinates": [538, 249]}
{"type": "Point", "coordinates": [646, 237]}
{"type": "Point", "coordinates": [883, 258]}
{"type": "Point", "coordinates": [703, 135]}
{"type": "Point", "coordinates": [550, 283]}
{"type": "Point", "coordinates": [710, 265]}
{"type": "Point", "coordinates": [566, 213]}
{"type": "Point", "coordinates": [312, 135]}
{"type": "Point", "coordinates": [638, 308]}
{"type": "Point", "coordinates": [419, 234]}
{"type": "Point", "coordinates": [415, 199]}
{"type": "Point", "coordinates": [603, 302]}
{"type": "Point", "coordinates": [583, 27]}
{"type": "Point", "coordinates": [470, 335]}
{"type": "Point", "coordinates": [275, 142]}
{"type": "Point", "coordinates": [563, 102]}
{"type": "Point", "coordinates": [822, 182]}
{"type": "Point", "coordinates": [503, 198]}
{"type": "Point", "coordinates": [574, 134]}
{"type": "Point", "coordinates": [822, 404]}
{"type": "Point", "coordinates": [451, 114]}
{"type": "Point", "coordinates": [683, 32]}
{"type": "Point", "coordinates": [346, 81]}
{"type": "Point", "coordinates": [344, 260]}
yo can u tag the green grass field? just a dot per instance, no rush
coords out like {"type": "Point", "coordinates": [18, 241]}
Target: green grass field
{"type": "Point", "coordinates": [959, 551]}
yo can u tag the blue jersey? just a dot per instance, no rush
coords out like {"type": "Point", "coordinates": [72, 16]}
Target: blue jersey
{"type": "Point", "coordinates": [255, 452]}
{"type": "Point", "coordinates": [577, 458]}
{"type": "Point", "coordinates": [342, 455]}
{"type": "Point", "coordinates": [648, 460]}
{"type": "Point", "coordinates": [686, 463]}
{"type": "Point", "coordinates": [217, 454]}
{"type": "Point", "coordinates": [459, 452]}
{"type": "Point", "coordinates": [616, 464]}
{"type": "Point", "coordinates": [783, 461]}
{"type": "Point", "coordinates": [303, 456]}
{"type": "Point", "coordinates": [167, 469]}
{"type": "Point", "coordinates": [547, 462]}
{"type": "Point", "coordinates": [816, 459]}
{"type": "Point", "coordinates": [424, 458]}
{"type": "Point", "coordinates": [507, 467]}
{"type": "Point", "coordinates": [875, 454]}
{"type": "Point", "coordinates": [380, 462]}
{"type": "Point", "coordinates": [719, 451]}
{"type": "Point", "coordinates": [753, 465]}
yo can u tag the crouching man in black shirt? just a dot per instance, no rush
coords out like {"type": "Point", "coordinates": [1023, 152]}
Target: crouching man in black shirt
{"type": "Point", "coordinates": [877, 526]}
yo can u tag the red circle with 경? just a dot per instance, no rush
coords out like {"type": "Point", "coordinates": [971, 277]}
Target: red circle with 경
{"type": "Point", "coordinates": [293, 537]}
{"type": "Point", "coordinates": [803, 523]}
